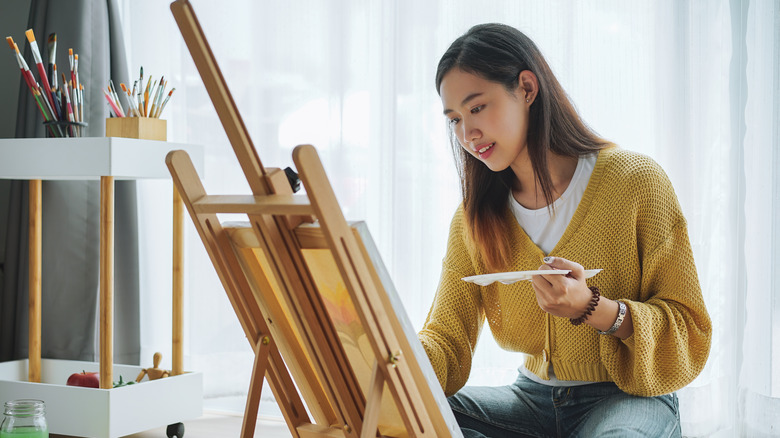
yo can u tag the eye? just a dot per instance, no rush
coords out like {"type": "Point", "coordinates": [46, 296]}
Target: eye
{"type": "Point", "coordinates": [477, 109]}
{"type": "Point", "coordinates": [453, 121]}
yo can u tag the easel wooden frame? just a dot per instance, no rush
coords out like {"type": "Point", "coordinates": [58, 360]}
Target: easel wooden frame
{"type": "Point", "coordinates": [275, 294]}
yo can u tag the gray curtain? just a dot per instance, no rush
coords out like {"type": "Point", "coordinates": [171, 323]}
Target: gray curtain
{"type": "Point", "coordinates": [71, 208]}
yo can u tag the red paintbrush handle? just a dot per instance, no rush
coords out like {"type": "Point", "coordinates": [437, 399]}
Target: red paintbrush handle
{"type": "Point", "coordinates": [27, 79]}
{"type": "Point", "coordinates": [113, 105]}
{"type": "Point", "coordinates": [69, 106]}
{"type": "Point", "coordinates": [46, 86]}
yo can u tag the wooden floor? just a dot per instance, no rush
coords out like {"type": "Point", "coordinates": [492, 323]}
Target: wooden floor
{"type": "Point", "coordinates": [218, 425]}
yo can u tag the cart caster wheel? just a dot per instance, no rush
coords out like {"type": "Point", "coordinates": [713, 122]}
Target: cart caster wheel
{"type": "Point", "coordinates": [175, 430]}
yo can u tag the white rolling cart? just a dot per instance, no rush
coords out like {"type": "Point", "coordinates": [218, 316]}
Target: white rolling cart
{"type": "Point", "coordinates": [106, 412]}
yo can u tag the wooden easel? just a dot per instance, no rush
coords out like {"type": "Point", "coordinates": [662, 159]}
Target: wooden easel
{"type": "Point", "coordinates": [309, 291]}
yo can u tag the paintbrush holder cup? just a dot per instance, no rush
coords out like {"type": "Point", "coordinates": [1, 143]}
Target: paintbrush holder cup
{"type": "Point", "coordinates": [60, 129]}
{"type": "Point", "coordinates": [145, 128]}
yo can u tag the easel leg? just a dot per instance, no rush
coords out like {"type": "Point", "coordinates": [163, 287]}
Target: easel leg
{"type": "Point", "coordinates": [34, 289]}
{"type": "Point", "coordinates": [255, 387]}
{"type": "Point", "coordinates": [373, 403]}
{"type": "Point", "coordinates": [106, 281]}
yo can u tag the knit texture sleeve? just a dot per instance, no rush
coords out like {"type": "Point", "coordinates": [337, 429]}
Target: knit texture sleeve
{"type": "Point", "coordinates": [454, 321]}
{"type": "Point", "coordinates": [672, 329]}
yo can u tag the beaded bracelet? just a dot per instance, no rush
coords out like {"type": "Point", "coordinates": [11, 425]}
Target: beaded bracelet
{"type": "Point", "coordinates": [594, 300]}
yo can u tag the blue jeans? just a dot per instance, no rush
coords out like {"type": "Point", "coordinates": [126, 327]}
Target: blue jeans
{"type": "Point", "coordinates": [527, 408]}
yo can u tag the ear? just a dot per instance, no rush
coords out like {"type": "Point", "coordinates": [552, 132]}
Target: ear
{"type": "Point", "coordinates": [528, 86]}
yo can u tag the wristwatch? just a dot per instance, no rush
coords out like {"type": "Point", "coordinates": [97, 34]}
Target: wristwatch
{"type": "Point", "coordinates": [618, 321]}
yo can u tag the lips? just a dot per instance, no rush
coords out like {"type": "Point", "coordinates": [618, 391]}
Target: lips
{"type": "Point", "coordinates": [484, 150]}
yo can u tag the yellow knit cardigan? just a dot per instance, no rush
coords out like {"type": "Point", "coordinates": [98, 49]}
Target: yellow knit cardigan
{"type": "Point", "coordinates": [629, 223]}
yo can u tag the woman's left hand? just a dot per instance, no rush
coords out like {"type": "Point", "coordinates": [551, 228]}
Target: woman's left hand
{"type": "Point", "coordinates": [562, 295]}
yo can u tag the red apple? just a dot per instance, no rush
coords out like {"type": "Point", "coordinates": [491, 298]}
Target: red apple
{"type": "Point", "coordinates": [88, 380]}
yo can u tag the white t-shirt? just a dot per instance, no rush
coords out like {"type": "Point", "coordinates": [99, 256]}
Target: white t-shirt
{"type": "Point", "coordinates": [546, 229]}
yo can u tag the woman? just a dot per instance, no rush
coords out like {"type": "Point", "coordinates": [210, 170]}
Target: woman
{"type": "Point", "coordinates": [541, 191]}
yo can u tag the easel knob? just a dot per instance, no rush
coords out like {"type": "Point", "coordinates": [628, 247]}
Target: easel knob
{"type": "Point", "coordinates": [395, 358]}
{"type": "Point", "coordinates": [292, 177]}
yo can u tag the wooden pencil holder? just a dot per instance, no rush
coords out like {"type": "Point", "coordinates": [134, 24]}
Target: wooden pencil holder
{"type": "Point", "coordinates": [137, 127]}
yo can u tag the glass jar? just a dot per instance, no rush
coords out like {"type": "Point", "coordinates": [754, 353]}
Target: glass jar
{"type": "Point", "coordinates": [24, 419]}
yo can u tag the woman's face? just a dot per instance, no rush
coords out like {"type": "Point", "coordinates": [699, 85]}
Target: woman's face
{"type": "Point", "coordinates": [490, 123]}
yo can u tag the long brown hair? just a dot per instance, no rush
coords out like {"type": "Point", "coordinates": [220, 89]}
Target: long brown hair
{"type": "Point", "coordinates": [499, 53]}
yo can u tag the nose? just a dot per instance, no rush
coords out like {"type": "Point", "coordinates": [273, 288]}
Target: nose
{"type": "Point", "coordinates": [470, 132]}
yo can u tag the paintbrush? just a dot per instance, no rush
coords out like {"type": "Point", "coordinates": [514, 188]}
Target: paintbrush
{"type": "Point", "coordinates": [39, 63]}
{"type": "Point", "coordinates": [153, 95]}
{"type": "Point", "coordinates": [71, 117]}
{"type": "Point", "coordinates": [158, 98]}
{"type": "Point", "coordinates": [140, 93]}
{"type": "Point", "coordinates": [114, 93]}
{"type": "Point", "coordinates": [26, 74]}
{"type": "Point", "coordinates": [29, 80]}
{"type": "Point", "coordinates": [134, 98]}
{"type": "Point", "coordinates": [114, 107]}
{"type": "Point", "coordinates": [128, 100]}
{"type": "Point", "coordinates": [73, 84]}
{"type": "Point", "coordinates": [53, 59]}
{"type": "Point", "coordinates": [56, 131]}
{"type": "Point", "coordinates": [162, 107]}
{"type": "Point", "coordinates": [72, 66]}
{"type": "Point", "coordinates": [78, 85]}
{"type": "Point", "coordinates": [146, 97]}
{"type": "Point", "coordinates": [81, 102]}
{"type": "Point", "coordinates": [115, 98]}
{"type": "Point", "coordinates": [40, 100]}
{"type": "Point", "coordinates": [150, 100]}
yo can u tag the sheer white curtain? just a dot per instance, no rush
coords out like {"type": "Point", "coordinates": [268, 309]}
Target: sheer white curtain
{"type": "Point", "coordinates": [692, 84]}
{"type": "Point", "coordinates": [759, 333]}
